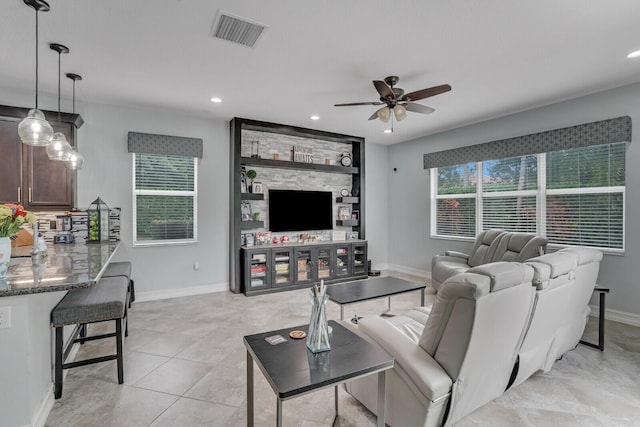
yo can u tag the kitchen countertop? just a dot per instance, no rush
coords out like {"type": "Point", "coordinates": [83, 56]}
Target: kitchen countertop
{"type": "Point", "coordinates": [67, 266]}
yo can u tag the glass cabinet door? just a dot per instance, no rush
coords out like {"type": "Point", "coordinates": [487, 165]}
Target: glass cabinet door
{"type": "Point", "coordinates": [304, 264]}
{"type": "Point", "coordinates": [257, 269]}
{"type": "Point", "coordinates": [324, 263]}
{"type": "Point", "coordinates": [282, 267]}
{"type": "Point", "coordinates": [343, 261]}
{"type": "Point", "coordinates": [359, 258]}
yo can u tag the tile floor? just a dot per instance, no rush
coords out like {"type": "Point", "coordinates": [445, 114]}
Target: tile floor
{"type": "Point", "coordinates": [185, 366]}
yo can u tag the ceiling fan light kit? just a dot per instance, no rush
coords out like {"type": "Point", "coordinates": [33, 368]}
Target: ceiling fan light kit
{"type": "Point", "coordinates": [396, 99]}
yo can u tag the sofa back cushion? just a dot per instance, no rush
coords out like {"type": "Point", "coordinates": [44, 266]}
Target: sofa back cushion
{"type": "Point", "coordinates": [517, 247]}
{"type": "Point", "coordinates": [483, 250]}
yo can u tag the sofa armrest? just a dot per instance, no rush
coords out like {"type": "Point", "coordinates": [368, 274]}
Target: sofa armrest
{"type": "Point", "coordinates": [427, 375]}
{"type": "Point", "coordinates": [457, 254]}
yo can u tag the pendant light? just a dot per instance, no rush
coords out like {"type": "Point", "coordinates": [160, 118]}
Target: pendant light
{"type": "Point", "coordinates": [59, 148]}
{"type": "Point", "coordinates": [34, 129]}
{"type": "Point", "coordinates": [75, 160]}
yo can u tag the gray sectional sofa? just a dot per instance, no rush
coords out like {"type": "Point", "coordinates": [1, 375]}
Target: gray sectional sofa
{"type": "Point", "coordinates": [491, 327]}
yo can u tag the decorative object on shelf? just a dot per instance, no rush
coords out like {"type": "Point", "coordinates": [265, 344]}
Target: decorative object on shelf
{"type": "Point", "coordinates": [284, 239]}
{"type": "Point", "coordinates": [327, 161]}
{"type": "Point", "coordinates": [344, 213]}
{"type": "Point", "coordinates": [59, 149]}
{"type": "Point", "coordinates": [345, 192]}
{"type": "Point", "coordinates": [256, 187]}
{"type": "Point", "coordinates": [303, 237]}
{"type": "Point", "coordinates": [76, 160]}
{"type": "Point", "coordinates": [243, 180]}
{"type": "Point", "coordinates": [275, 240]}
{"type": "Point", "coordinates": [355, 215]}
{"type": "Point", "coordinates": [345, 159]}
{"type": "Point", "coordinates": [12, 218]}
{"type": "Point", "coordinates": [276, 156]}
{"type": "Point", "coordinates": [255, 149]}
{"type": "Point", "coordinates": [353, 235]}
{"type": "Point", "coordinates": [250, 239]}
{"type": "Point", "coordinates": [355, 192]}
{"type": "Point", "coordinates": [242, 239]}
{"type": "Point", "coordinates": [263, 237]}
{"type": "Point", "coordinates": [34, 129]}
{"type": "Point", "coordinates": [98, 216]}
{"type": "Point", "coordinates": [302, 155]}
{"type": "Point", "coordinates": [318, 335]}
{"type": "Point", "coordinates": [256, 216]}
{"type": "Point", "coordinates": [338, 235]}
{"type": "Point", "coordinates": [245, 211]}
{"type": "Point", "coordinates": [251, 175]}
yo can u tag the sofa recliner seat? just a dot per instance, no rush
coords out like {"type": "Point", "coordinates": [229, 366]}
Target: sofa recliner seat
{"type": "Point", "coordinates": [458, 355]}
{"type": "Point", "coordinates": [490, 246]}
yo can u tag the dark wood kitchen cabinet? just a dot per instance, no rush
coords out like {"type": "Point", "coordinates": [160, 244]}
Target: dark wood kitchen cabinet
{"type": "Point", "coordinates": [27, 176]}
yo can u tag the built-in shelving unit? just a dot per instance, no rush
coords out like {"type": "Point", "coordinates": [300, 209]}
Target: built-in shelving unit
{"type": "Point", "coordinates": [351, 176]}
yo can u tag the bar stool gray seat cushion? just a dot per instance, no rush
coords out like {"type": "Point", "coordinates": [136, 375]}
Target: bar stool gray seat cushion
{"type": "Point", "coordinates": [122, 268]}
{"type": "Point", "coordinates": [105, 300]}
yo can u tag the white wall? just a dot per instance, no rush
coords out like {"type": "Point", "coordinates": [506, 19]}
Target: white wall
{"type": "Point", "coordinates": [409, 217]}
{"type": "Point", "coordinates": [376, 205]}
{"type": "Point", "coordinates": [159, 271]}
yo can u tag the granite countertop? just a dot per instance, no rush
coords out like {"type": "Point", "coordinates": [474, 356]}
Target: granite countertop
{"type": "Point", "coordinates": [67, 266]}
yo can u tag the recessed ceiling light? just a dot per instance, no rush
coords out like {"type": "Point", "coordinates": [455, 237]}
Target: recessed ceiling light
{"type": "Point", "coordinates": [216, 100]}
{"type": "Point", "coordinates": [635, 54]}
{"type": "Point", "coordinates": [388, 131]}
{"type": "Point", "coordinates": [314, 117]}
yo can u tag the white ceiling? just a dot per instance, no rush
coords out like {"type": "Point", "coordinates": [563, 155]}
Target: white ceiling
{"type": "Point", "coordinates": [500, 56]}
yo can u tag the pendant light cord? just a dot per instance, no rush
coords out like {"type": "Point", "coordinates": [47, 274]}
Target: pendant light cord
{"type": "Point", "coordinates": [59, 70]}
{"type": "Point", "coordinates": [36, 58]}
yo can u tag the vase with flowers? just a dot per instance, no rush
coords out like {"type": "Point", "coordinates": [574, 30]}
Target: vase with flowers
{"type": "Point", "coordinates": [12, 218]}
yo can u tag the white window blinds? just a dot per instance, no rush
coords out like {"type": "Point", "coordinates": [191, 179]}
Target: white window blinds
{"type": "Point", "coordinates": [165, 199]}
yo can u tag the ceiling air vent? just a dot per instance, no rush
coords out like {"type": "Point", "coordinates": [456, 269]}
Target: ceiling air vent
{"type": "Point", "coordinates": [236, 29]}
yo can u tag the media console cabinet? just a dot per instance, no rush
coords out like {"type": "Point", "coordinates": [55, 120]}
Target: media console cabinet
{"type": "Point", "coordinates": [282, 267]}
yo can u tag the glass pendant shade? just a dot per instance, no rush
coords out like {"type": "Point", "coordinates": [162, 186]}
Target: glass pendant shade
{"type": "Point", "coordinates": [384, 114]}
{"type": "Point", "coordinates": [59, 148]}
{"type": "Point", "coordinates": [35, 130]}
{"type": "Point", "coordinates": [400, 112]}
{"type": "Point", "coordinates": [75, 161]}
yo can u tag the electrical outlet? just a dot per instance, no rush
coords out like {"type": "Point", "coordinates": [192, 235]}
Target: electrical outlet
{"type": "Point", "coordinates": [5, 317]}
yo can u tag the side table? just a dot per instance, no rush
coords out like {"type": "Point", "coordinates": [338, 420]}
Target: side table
{"type": "Point", "coordinates": [292, 370]}
{"type": "Point", "coordinates": [600, 346]}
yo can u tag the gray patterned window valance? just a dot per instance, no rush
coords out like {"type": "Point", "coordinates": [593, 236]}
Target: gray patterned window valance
{"type": "Point", "coordinates": [595, 133]}
{"type": "Point", "coordinates": [164, 144]}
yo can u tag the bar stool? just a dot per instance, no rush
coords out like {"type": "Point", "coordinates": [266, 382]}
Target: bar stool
{"type": "Point", "coordinates": [122, 269]}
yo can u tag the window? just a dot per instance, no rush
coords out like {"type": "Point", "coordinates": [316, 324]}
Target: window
{"type": "Point", "coordinates": [165, 199]}
{"type": "Point", "coordinates": [573, 196]}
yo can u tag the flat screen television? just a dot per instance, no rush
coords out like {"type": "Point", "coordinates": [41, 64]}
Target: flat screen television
{"type": "Point", "coordinates": [295, 210]}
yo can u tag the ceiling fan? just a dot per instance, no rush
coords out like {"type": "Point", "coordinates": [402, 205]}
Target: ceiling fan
{"type": "Point", "coordinates": [394, 99]}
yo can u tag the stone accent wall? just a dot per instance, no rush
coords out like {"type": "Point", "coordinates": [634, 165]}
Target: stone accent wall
{"type": "Point", "coordinates": [271, 144]}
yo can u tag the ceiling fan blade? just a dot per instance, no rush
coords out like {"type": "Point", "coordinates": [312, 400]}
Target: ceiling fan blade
{"type": "Point", "coordinates": [418, 108]}
{"type": "Point", "coordinates": [425, 93]}
{"type": "Point", "coordinates": [351, 104]}
{"type": "Point", "coordinates": [383, 89]}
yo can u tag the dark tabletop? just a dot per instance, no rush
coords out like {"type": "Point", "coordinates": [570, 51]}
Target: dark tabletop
{"type": "Point", "coordinates": [361, 290]}
{"type": "Point", "coordinates": [292, 369]}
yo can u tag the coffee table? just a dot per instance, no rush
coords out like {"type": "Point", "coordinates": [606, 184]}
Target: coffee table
{"type": "Point", "coordinates": [293, 371]}
{"type": "Point", "coordinates": [363, 290]}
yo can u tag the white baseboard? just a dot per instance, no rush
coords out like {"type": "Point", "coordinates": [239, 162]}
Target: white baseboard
{"type": "Point", "coordinates": [617, 316]}
{"type": "Point", "coordinates": [40, 417]}
{"type": "Point", "coordinates": [180, 292]}
{"type": "Point", "coordinates": [408, 270]}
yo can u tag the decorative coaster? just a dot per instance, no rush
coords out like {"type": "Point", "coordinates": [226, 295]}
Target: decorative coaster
{"type": "Point", "coordinates": [297, 335]}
